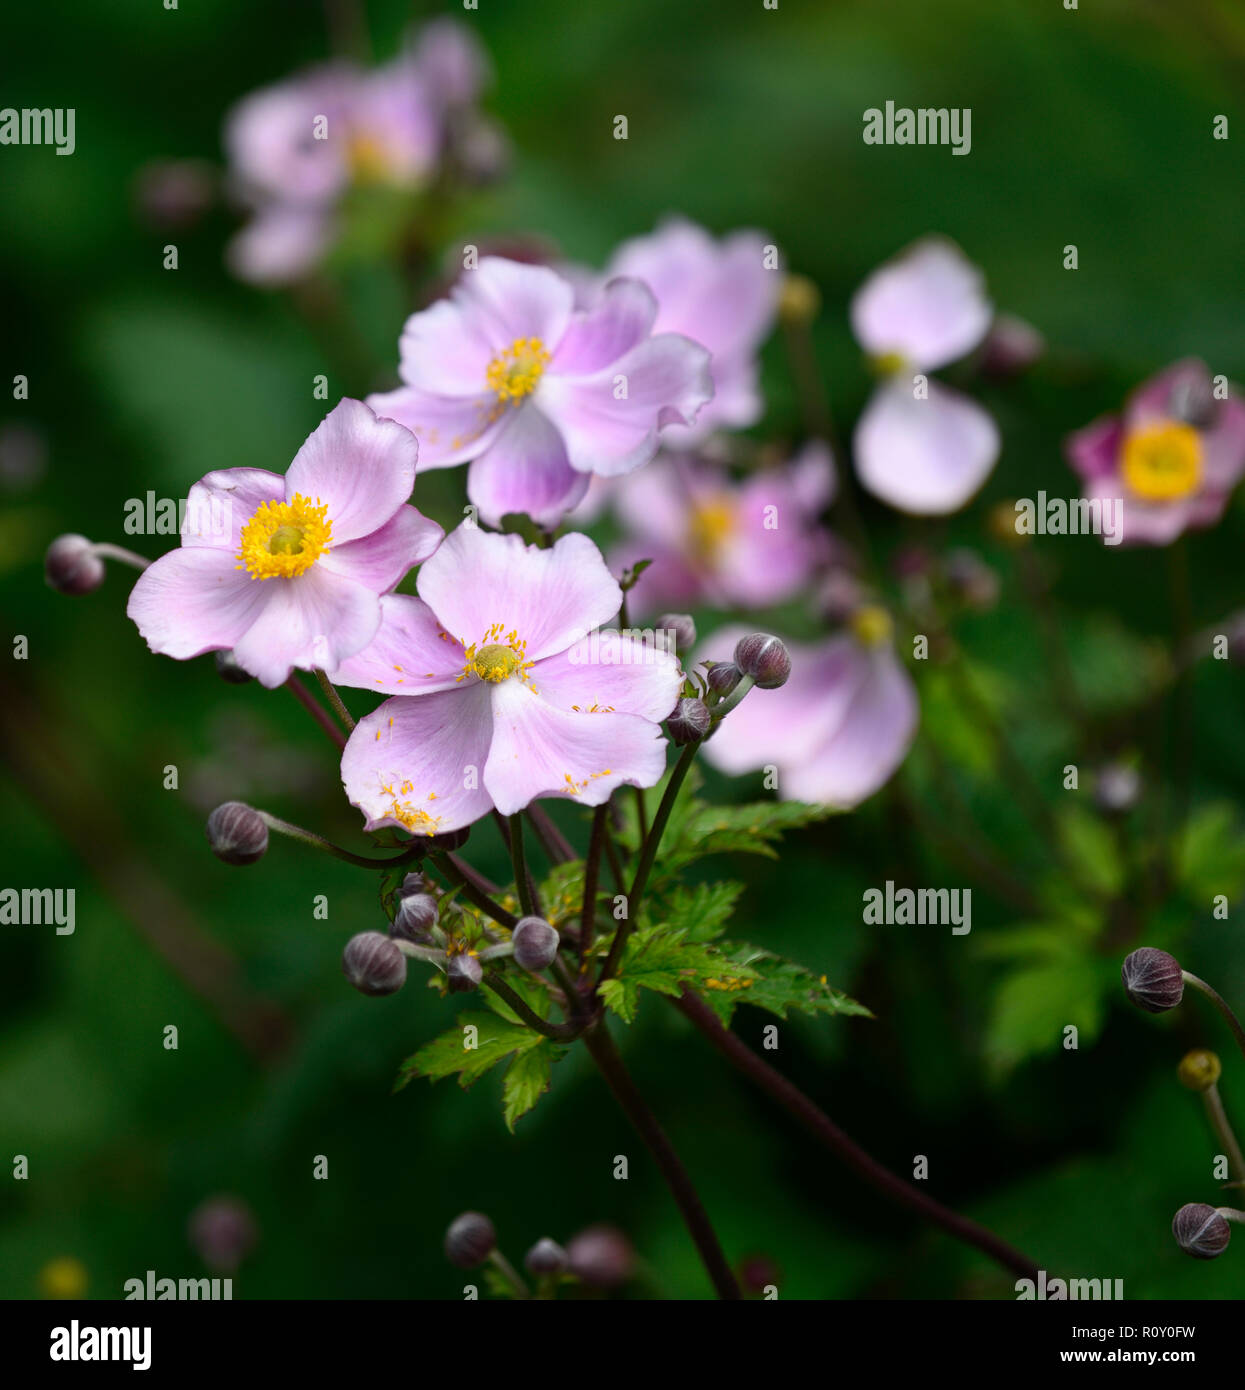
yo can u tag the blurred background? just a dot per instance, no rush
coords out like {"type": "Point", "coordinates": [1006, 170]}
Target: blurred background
{"type": "Point", "coordinates": [1090, 127]}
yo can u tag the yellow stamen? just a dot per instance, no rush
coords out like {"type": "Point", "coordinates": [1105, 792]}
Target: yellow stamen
{"type": "Point", "coordinates": [497, 657]}
{"type": "Point", "coordinates": [887, 363]}
{"type": "Point", "coordinates": [1162, 463]}
{"type": "Point", "coordinates": [283, 539]}
{"type": "Point", "coordinates": [709, 528]}
{"type": "Point", "coordinates": [368, 162]}
{"type": "Point", "coordinates": [517, 371]}
{"type": "Point", "coordinates": [871, 625]}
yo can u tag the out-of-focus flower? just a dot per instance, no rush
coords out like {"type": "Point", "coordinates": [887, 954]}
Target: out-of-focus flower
{"type": "Point", "coordinates": [1170, 460]}
{"type": "Point", "coordinates": [922, 453]}
{"type": "Point", "coordinates": [1011, 347]}
{"type": "Point", "coordinates": [63, 1277]}
{"type": "Point", "coordinates": [536, 394]}
{"type": "Point", "coordinates": [23, 456]}
{"type": "Point", "coordinates": [503, 697]}
{"type": "Point", "coordinates": [749, 544]}
{"type": "Point", "coordinates": [223, 1232]}
{"type": "Point", "coordinates": [288, 571]}
{"type": "Point", "coordinates": [601, 1257]}
{"type": "Point", "coordinates": [722, 293]}
{"type": "Point", "coordinates": [840, 726]}
{"type": "Point", "coordinates": [173, 194]}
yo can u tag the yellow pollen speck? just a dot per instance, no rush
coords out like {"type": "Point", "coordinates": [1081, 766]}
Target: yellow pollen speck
{"type": "Point", "coordinates": [871, 625]}
{"type": "Point", "coordinates": [709, 528]}
{"type": "Point", "coordinates": [368, 162]}
{"type": "Point", "coordinates": [1162, 463]}
{"type": "Point", "coordinates": [283, 539]}
{"type": "Point", "coordinates": [516, 372]}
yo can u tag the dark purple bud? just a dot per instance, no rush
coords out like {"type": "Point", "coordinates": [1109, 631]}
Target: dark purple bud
{"type": "Point", "coordinates": [470, 1240]}
{"type": "Point", "coordinates": [464, 973]}
{"type": "Point", "coordinates": [450, 841]}
{"type": "Point", "coordinates": [689, 722]}
{"type": "Point", "coordinates": [172, 194]}
{"type": "Point", "coordinates": [1201, 1231]}
{"type": "Point", "coordinates": [765, 659]}
{"type": "Point", "coordinates": [601, 1257]}
{"type": "Point", "coordinates": [412, 883]}
{"type": "Point", "coordinates": [72, 567]}
{"type": "Point", "coordinates": [723, 677]}
{"type": "Point", "coordinates": [545, 1257]}
{"type": "Point", "coordinates": [535, 944]}
{"type": "Point", "coordinates": [373, 964]}
{"type": "Point", "coordinates": [1011, 346]}
{"type": "Point", "coordinates": [1153, 980]}
{"type": "Point", "coordinates": [681, 628]}
{"type": "Point", "coordinates": [971, 580]}
{"type": "Point", "coordinates": [228, 669]}
{"type": "Point", "coordinates": [236, 833]}
{"type": "Point", "coordinates": [415, 918]}
{"type": "Point", "coordinates": [223, 1232]}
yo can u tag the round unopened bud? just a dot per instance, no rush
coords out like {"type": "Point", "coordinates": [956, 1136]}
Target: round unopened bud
{"type": "Point", "coordinates": [237, 833]}
{"type": "Point", "coordinates": [681, 628]}
{"type": "Point", "coordinates": [601, 1257]}
{"type": "Point", "coordinates": [723, 677]}
{"type": "Point", "coordinates": [373, 964]}
{"type": "Point", "coordinates": [1199, 1069]}
{"type": "Point", "coordinates": [223, 1231]}
{"type": "Point", "coordinates": [1153, 980]}
{"type": "Point", "coordinates": [470, 1240]}
{"type": "Point", "coordinates": [1117, 788]}
{"type": "Point", "coordinates": [415, 918]}
{"type": "Point", "coordinates": [690, 721]}
{"type": "Point", "coordinates": [72, 567]}
{"type": "Point", "coordinates": [228, 669]}
{"type": "Point", "coordinates": [545, 1257]}
{"type": "Point", "coordinates": [971, 580]}
{"type": "Point", "coordinates": [1201, 1231]}
{"type": "Point", "coordinates": [464, 973]}
{"type": "Point", "coordinates": [450, 841]}
{"type": "Point", "coordinates": [411, 883]}
{"type": "Point", "coordinates": [535, 944]}
{"type": "Point", "coordinates": [1011, 346]}
{"type": "Point", "coordinates": [765, 659]}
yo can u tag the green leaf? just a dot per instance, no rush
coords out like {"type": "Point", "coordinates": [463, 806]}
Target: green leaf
{"type": "Point", "coordinates": [702, 911]}
{"type": "Point", "coordinates": [561, 893]}
{"type": "Point", "coordinates": [1212, 853]}
{"type": "Point", "coordinates": [451, 1054]}
{"type": "Point", "coordinates": [1033, 1006]}
{"type": "Point", "coordinates": [746, 975]}
{"type": "Point", "coordinates": [657, 959]}
{"type": "Point", "coordinates": [1091, 848]}
{"type": "Point", "coordinates": [527, 1079]}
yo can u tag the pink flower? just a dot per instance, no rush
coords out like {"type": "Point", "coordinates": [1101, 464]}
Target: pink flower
{"type": "Point", "coordinates": [506, 373]}
{"type": "Point", "coordinates": [923, 310]}
{"type": "Point", "coordinates": [1171, 460]}
{"type": "Point", "coordinates": [718, 293]}
{"type": "Point", "coordinates": [749, 544]}
{"type": "Point", "coordinates": [840, 726]}
{"type": "Point", "coordinates": [501, 695]}
{"type": "Point", "coordinates": [288, 571]}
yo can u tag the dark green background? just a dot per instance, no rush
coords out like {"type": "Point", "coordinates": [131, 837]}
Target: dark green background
{"type": "Point", "coordinates": [1090, 127]}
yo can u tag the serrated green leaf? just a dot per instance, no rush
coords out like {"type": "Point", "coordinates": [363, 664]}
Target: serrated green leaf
{"type": "Point", "coordinates": [746, 975]}
{"type": "Point", "coordinates": [702, 911]}
{"type": "Point", "coordinates": [450, 1055]}
{"type": "Point", "coordinates": [561, 893]}
{"type": "Point", "coordinates": [1033, 1006]}
{"type": "Point", "coordinates": [527, 1079]}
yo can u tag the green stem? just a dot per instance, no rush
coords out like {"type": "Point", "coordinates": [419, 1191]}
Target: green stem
{"type": "Point", "coordinates": [335, 700]}
{"type": "Point", "coordinates": [592, 871]}
{"type": "Point", "coordinates": [1218, 1118]}
{"type": "Point", "coordinates": [1221, 1004]}
{"type": "Point", "coordinates": [510, 1274]}
{"type": "Point", "coordinates": [309, 837]}
{"type": "Point", "coordinates": [317, 711]}
{"type": "Point", "coordinates": [558, 1032]}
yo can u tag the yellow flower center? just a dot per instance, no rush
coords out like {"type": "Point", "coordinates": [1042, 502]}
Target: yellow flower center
{"type": "Point", "coordinates": [501, 655]}
{"type": "Point", "coordinates": [871, 625]}
{"type": "Point", "coordinates": [283, 539]}
{"type": "Point", "coordinates": [516, 372]}
{"type": "Point", "coordinates": [368, 164]}
{"type": "Point", "coordinates": [1162, 463]}
{"type": "Point", "coordinates": [887, 363]}
{"type": "Point", "coordinates": [709, 527]}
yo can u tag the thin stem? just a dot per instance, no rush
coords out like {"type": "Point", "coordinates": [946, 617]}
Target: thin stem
{"type": "Point", "coordinates": [335, 700]}
{"type": "Point", "coordinates": [559, 1032]}
{"type": "Point", "coordinates": [452, 868]}
{"type": "Point", "coordinates": [309, 837]}
{"type": "Point", "coordinates": [557, 847]}
{"type": "Point", "coordinates": [641, 816]}
{"type": "Point", "coordinates": [523, 885]}
{"type": "Point", "coordinates": [1218, 1118]}
{"type": "Point", "coordinates": [1221, 1004]}
{"type": "Point", "coordinates": [510, 1274]}
{"type": "Point", "coordinates": [107, 551]}
{"type": "Point", "coordinates": [648, 854]}
{"type": "Point", "coordinates": [796, 1103]}
{"type": "Point", "coordinates": [592, 871]}
{"type": "Point", "coordinates": [618, 1079]}
{"type": "Point", "coordinates": [1182, 746]}
{"type": "Point", "coordinates": [316, 710]}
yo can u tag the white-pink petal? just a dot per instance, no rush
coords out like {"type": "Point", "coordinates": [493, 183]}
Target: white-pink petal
{"type": "Point", "coordinates": [410, 653]}
{"type": "Point", "coordinates": [609, 670]}
{"type": "Point", "coordinates": [525, 469]}
{"type": "Point", "coordinates": [194, 599]}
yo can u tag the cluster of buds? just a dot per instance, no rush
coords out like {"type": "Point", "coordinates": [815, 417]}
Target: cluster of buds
{"type": "Point", "coordinates": [600, 1258]}
{"type": "Point", "coordinates": [759, 660]}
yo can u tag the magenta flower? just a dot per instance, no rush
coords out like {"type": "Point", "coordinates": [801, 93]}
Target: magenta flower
{"type": "Point", "coordinates": [1171, 460]}
{"type": "Point", "coordinates": [506, 373]}
{"type": "Point", "coordinates": [723, 294]}
{"type": "Point", "coordinates": [288, 572]}
{"type": "Point", "coordinates": [840, 726]}
{"type": "Point", "coordinates": [922, 453]}
{"type": "Point", "coordinates": [501, 694]}
{"type": "Point", "coordinates": [749, 544]}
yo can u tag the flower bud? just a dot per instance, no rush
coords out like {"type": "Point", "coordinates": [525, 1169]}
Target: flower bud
{"type": "Point", "coordinates": [373, 964]}
{"type": "Point", "coordinates": [1011, 346]}
{"type": "Point", "coordinates": [223, 1232]}
{"type": "Point", "coordinates": [1201, 1231]}
{"type": "Point", "coordinates": [415, 918]}
{"type": "Point", "coordinates": [1117, 788]}
{"type": "Point", "coordinates": [411, 883]}
{"type": "Point", "coordinates": [535, 944]}
{"type": "Point", "coordinates": [1153, 980]}
{"type": "Point", "coordinates": [689, 722]}
{"type": "Point", "coordinates": [601, 1257]}
{"type": "Point", "coordinates": [971, 580]}
{"type": "Point", "coordinates": [228, 669]}
{"type": "Point", "coordinates": [1199, 1069]}
{"type": "Point", "coordinates": [450, 841]}
{"type": "Point", "coordinates": [236, 833]}
{"type": "Point", "coordinates": [765, 659]}
{"type": "Point", "coordinates": [464, 973]}
{"type": "Point", "coordinates": [545, 1257]}
{"type": "Point", "coordinates": [72, 567]}
{"type": "Point", "coordinates": [723, 677]}
{"type": "Point", "coordinates": [470, 1240]}
{"type": "Point", "coordinates": [682, 630]}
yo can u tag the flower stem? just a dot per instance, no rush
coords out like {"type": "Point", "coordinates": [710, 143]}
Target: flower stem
{"type": "Point", "coordinates": [334, 699]}
{"type": "Point", "coordinates": [556, 846]}
{"type": "Point", "coordinates": [1218, 1118]}
{"type": "Point", "coordinates": [523, 885]}
{"type": "Point", "coordinates": [309, 837]}
{"type": "Point", "coordinates": [1221, 1004]}
{"type": "Point", "coordinates": [317, 711]}
{"type": "Point", "coordinates": [618, 1079]}
{"type": "Point", "coordinates": [454, 871]}
{"type": "Point", "coordinates": [592, 872]}
{"type": "Point", "coordinates": [796, 1103]}
{"type": "Point", "coordinates": [510, 1274]}
{"type": "Point", "coordinates": [107, 551]}
{"type": "Point", "coordinates": [558, 1032]}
